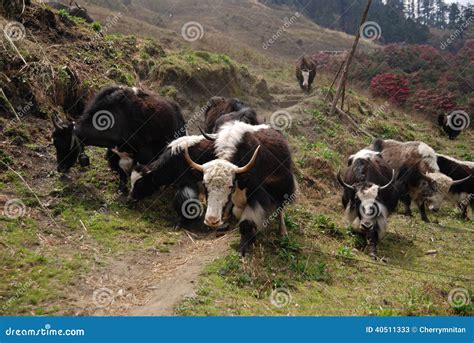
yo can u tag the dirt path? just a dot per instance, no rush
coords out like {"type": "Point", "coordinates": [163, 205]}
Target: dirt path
{"type": "Point", "coordinates": [175, 279]}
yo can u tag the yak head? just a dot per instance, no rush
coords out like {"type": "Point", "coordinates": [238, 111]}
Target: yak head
{"type": "Point", "coordinates": [67, 145]}
{"type": "Point", "coordinates": [366, 210]}
{"type": "Point", "coordinates": [219, 181]}
{"type": "Point", "coordinates": [78, 11]}
{"type": "Point", "coordinates": [305, 78]}
{"type": "Point", "coordinates": [434, 188]}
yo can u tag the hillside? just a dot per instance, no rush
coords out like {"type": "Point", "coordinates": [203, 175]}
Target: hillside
{"type": "Point", "coordinates": [238, 28]}
{"type": "Point", "coordinates": [69, 245]}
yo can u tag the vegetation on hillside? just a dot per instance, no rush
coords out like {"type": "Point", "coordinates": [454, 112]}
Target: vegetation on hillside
{"type": "Point", "coordinates": [74, 242]}
{"type": "Point", "coordinates": [425, 79]}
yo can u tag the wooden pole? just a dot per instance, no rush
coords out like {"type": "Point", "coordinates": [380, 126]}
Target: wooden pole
{"type": "Point", "coordinates": [334, 81]}
{"type": "Point", "coordinates": [342, 80]}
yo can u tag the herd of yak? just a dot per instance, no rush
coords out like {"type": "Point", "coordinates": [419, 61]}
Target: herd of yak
{"type": "Point", "coordinates": [244, 167]}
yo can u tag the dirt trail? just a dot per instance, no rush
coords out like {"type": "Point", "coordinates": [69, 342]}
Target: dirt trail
{"type": "Point", "coordinates": [175, 278]}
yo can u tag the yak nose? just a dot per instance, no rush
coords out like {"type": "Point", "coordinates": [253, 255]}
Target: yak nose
{"type": "Point", "coordinates": [366, 226]}
{"type": "Point", "coordinates": [212, 221]}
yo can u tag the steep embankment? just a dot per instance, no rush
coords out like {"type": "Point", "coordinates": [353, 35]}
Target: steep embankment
{"type": "Point", "coordinates": [75, 247]}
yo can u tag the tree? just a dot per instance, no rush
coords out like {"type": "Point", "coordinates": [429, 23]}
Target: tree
{"type": "Point", "coordinates": [441, 9]}
{"type": "Point", "coordinates": [454, 15]}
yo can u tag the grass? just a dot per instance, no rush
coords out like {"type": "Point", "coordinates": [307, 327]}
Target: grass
{"type": "Point", "coordinates": [329, 276]}
{"type": "Point", "coordinates": [321, 264]}
{"type": "Point", "coordinates": [42, 263]}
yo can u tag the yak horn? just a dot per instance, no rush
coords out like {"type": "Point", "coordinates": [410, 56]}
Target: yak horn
{"type": "Point", "coordinates": [249, 165]}
{"type": "Point", "coordinates": [56, 124]}
{"type": "Point", "coordinates": [391, 181]}
{"type": "Point", "coordinates": [458, 182]}
{"type": "Point", "coordinates": [343, 184]}
{"type": "Point", "coordinates": [191, 163]}
{"type": "Point", "coordinates": [209, 138]}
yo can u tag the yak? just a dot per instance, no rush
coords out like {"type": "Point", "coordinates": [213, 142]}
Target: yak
{"type": "Point", "coordinates": [171, 169]}
{"type": "Point", "coordinates": [462, 194]}
{"type": "Point", "coordinates": [216, 107]}
{"type": "Point", "coordinates": [134, 123]}
{"type": "Point", "coordinates": [254, 171]}
{"type": "Point", "coordinates": [305, 73]}
{"type": "Point", "coordinates": [73, 9]}
{"type": "Point", "coordinates": [419, 177]}
{"type": "Point", "coordinates": [370, 195]}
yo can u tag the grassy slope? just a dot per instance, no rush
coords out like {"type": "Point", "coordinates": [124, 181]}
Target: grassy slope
{"type": "Point", "coordinates": [50, 264]}
{"type": "Point", "coordinates": [322, 265]}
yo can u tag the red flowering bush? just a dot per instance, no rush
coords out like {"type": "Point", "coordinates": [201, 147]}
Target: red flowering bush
{"type": "Point", "coordinates": [434, 102]}
{"type": "Point", "coordinates": [392, 86]}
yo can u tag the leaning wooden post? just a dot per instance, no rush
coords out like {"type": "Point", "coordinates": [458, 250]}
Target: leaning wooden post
{"type": "Point", "coordinates": [345, 72]}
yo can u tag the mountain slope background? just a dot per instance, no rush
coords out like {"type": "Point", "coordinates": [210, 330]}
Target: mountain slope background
{"type": "Point", "coordinates": [73, 247]}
